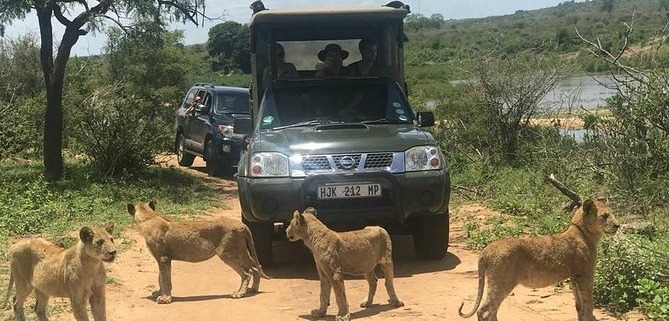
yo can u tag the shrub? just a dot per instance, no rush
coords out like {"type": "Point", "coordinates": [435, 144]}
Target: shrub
{"type": "Point", "coordinates": [21, 127]}
{"type": "Point", "coordinates": [653, 299]}
{"type": "Point", "coordinates": [120, 134]}
{"type": "Point", "coordinates": [623, 262]}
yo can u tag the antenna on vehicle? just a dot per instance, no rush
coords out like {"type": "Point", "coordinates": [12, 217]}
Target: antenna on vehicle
{"type": "Point", "coordinates": [398, 5]}
{"type": "Point", "coordinates": [257, 6]}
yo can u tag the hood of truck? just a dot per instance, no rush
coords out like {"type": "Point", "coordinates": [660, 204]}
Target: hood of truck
{"type": "Point", "coordinates": [335, 139]}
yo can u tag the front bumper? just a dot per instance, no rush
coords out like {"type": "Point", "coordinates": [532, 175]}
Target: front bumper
{"type": "Point", "coordinates": [403, 196]}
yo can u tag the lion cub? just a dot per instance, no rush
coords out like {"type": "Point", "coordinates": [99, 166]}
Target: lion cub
{"type": "Point", "coordinates": [76, 273]}
{"type": "Point", "coordinates": [197, 241]}
{"type": "Point", "coordinates": [543, 261]}
{"type": "Point", "coordinates": [355, 253]}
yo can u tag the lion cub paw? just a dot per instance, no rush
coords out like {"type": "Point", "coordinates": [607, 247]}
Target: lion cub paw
{"type": "Point", "coordinates": [164, 299]}
{"type": "Point", "coordinates": [345, 317]}
{"type": "Point", "coordinates": [365, 304]}
{"type": "Point", "coordinates": [318, 313]}
{"type": "Point", "coordinates": [396, 303]}
{"type": "Point", "coordinates": [238, 295]}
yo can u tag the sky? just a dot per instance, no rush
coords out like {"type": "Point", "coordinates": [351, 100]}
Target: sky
{"type": "Point", "coordinates": [239, 11]}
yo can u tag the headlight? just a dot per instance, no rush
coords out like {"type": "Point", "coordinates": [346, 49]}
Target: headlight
{"type": "Point", "coordinates": [225, 130]}
{"type": "Point", "coordinates": [268, 165]}
{"type": "Point", "coordinates": [422, 158]}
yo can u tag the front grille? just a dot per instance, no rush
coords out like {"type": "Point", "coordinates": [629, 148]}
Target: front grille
{"type": "Point", "coordinates": [315, 163]}
{"type": "Point", "coordinates": [379, 160]}
{"type": "Point", "coordinates": [342, 163]}
{"type": "Point", "coordinates": [347, 162]}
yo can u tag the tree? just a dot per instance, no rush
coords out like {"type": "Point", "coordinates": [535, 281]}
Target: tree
{"type": "Point", "coordinates": [511, 90]}
{"type": "Point", "coordinates": [88, 19]}
{"type": "Point", "coordinates": [229, 44]}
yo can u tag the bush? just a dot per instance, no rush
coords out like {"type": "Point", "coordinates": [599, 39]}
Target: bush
{"type": "Point", "coordinates": [21, 127]}
{"type": "Point", "coordinates": [120, 134]}
{"type": "Point", "coordinates": [653, 299]}
{"type": "Point", "coordinates": [623, 263]}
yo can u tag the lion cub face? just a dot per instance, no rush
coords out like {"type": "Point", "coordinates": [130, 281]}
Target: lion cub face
{"type": "Point", "coordinates": [99, 243]}
{"type": "Point", "coordinates": [297, 228]}
{"type": "Point", "coordinates": [598, 218]}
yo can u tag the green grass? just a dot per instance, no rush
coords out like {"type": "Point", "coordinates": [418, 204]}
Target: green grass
{"type": "Point", "coordinates": [30, 205]}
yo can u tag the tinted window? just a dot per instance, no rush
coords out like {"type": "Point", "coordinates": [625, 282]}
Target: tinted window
{"type": "Point", "coordinates": [232, 103]}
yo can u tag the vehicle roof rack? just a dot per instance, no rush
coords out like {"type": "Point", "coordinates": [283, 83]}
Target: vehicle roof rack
{"type": "Point", "coordinates": [204, 84]}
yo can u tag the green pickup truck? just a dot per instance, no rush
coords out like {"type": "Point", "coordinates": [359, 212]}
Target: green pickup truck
{"type": "Point", "coordinates": [349, 145]}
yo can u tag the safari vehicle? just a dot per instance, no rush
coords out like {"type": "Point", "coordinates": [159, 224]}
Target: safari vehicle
{"type": "Point", "coordinates": [351, 147]}
{"type": "Point", "coordinates": [207, 131]}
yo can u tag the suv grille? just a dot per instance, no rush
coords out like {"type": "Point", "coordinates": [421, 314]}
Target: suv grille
{"type": "Point", "coordinates": [379, 160]}
{"type": "Point", "coordinates": [392, 162]}
{"type": "Point", "coordinates": [315, 163]}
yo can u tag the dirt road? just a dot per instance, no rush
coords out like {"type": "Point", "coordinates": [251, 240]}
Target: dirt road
{"type": "Point", "coordinates": [430, 290]}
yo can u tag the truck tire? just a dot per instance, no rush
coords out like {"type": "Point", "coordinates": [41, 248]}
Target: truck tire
{"type": "Point", "coordinates": [213, 160]}
{"type": "Point", "coordinates": [262, 237]}
{"type": "Point", "coordinates": [430, 236]}
{"type": "Point", "coordinates": [183, 157]}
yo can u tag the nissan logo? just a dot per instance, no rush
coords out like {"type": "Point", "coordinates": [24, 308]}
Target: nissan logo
{"type": "Point", "coordinates": [347, 162]}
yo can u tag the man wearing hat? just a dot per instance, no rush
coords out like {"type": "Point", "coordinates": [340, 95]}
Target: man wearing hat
{"type": "Point", "coordinates": [332, 57]}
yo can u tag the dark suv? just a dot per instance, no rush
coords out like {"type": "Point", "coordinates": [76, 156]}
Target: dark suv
{"type": "Point", "coordinates": [207, 131]}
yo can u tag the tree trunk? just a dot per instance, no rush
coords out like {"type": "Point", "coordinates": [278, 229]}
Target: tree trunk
{"type": "Point", "coordinates": [53, 117]}
{"type": "Point", "coordinates": [54, 78]}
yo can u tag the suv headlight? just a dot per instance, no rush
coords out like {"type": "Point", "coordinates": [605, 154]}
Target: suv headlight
{"type": "Point", "coordinates": [422, 158]}
{"type": "Point", "coordinates": [268, 165]}
{"type": "Point", "coordinates": [225, 130]}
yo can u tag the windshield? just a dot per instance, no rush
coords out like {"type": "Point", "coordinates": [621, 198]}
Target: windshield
{"type": "Point", "coordinates": [227, 103]}
{"type": "Point", "coordinates": [334, 102]}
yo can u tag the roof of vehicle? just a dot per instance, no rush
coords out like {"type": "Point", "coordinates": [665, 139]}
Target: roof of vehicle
{"type": "Point", "coordinates": [328, 13]}
{"type": "Point", "coordinates": [217, 88]}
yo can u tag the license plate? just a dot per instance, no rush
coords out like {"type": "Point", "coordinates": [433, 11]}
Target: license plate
{"type": "Point", "coordinates": [349, 191]}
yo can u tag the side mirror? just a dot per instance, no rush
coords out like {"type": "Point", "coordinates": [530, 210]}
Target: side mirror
{"type": "Point", "coordinates": [425, 118]}
{"type": "Point", "coordinates": [201, 108]}
{"type": "Point", "coordinates": [242, 125]}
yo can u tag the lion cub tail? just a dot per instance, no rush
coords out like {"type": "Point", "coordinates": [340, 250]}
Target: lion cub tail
{"type": "Point", "coordinates": [251, 247]}
{"type": "Point", "coordinates": [5, 303]}
{"type": "Point", "coordinates": [479, 295]}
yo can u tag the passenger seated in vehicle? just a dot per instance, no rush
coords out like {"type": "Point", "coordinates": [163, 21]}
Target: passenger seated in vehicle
{"type": "Point", "coordinates": [332, 57]}
{"type": "Point", "coordinates": [366, 66]}
{"type": "Point", "coordinates": [283, 69]}
{"type": "Point", "coordinates": [191, 108]}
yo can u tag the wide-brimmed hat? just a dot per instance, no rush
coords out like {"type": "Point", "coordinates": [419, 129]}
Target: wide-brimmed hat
{"type": "Point", "coordinates": [332, 47]}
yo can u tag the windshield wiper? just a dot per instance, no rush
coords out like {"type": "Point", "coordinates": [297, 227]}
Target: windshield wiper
{"type": "Point", "coordinates": [383, 121]}
{"type": "Point", "coordinates": [306, 123]}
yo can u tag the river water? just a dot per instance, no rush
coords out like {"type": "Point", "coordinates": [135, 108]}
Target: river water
{"type": "Point", "coordinates": [584, 91]}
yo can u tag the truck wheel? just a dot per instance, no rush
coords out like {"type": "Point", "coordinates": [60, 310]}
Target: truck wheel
{"type": "Point", "coordinates": [213, 161]}
{"type": "Point", "coordinates": [183, 158]}
{"type": "Point", "coordinates": [430, 236]}
{"type": "Point", "coordinates": [262, 237]}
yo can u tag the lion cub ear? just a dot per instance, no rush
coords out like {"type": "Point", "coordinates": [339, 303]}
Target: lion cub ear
{"type": "Point", "coordinates": [311, 210]}
{"type": "Point", "coordinates": [153, 204]}
{"type": "Point", "coordinates": [109, 227]}
{"type": "Point", "coordinates": [131, 209]}
{"type": "Point", "coordinates": [86, 235]}
{"type": "Point", "coordinates": [589, 207]}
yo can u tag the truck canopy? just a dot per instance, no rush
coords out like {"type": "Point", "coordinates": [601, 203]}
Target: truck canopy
{"type": "Point", "coordinates": [305, 32]}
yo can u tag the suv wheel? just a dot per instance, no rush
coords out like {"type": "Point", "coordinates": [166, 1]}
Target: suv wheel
{"type": "Point", "coordinates": [262, 237]}
{"type": "Point", "coordinates": [213, 160]}
{"type": "Point", "coordinates": [183, 157]}
{"type": "Point", "coordinates": [430, 236]}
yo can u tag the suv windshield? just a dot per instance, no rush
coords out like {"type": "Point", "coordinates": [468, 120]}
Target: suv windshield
{"type": "Point", "coordinates": [227, 103]}
{"type": "Point", "coordinates": [334, 101]}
